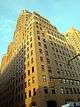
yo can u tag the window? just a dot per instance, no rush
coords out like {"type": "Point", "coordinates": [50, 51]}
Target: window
{"type": "Point", "coordinates": [32, 60]}
{"type": "Point", "coordinates": [51, 43]}
{"type": "Point", "coordinates": [30, 39]}
{"type": "Point", "coordinates": [49, 37]}
{"type": "Point", "coordinates": [53, 91]}
{"type": "Point", "coordinates": [49, 69]}
{"type": "Point", "coordinates": [45, 46]}
{"type": "Point", "coordinates": [28, 63]}
{"type": "Point", "coordinates": [44, 78]}
{"type": "Point", "coordinates": [41, 59]}
{"type": "Point", "coordinates": [38, 37]}
{"type": "Point", "coordinates": [28, 72]}
{"type": "Point", "coordinates": [27, 42]}
{"type": "Point", "coordinates": [37, 26]}
{"type": "Point", "coordinates": [39, 43]}
{"type": "Point", "coordinates": [27, 36]}
{"type": "Point", "coordinates": [43, 34]}
{"type": "Point", "coordinates": [24, 46]}
{"type": "Point", "coordinates": [31, 52]}
{"type": "Point", "coordinates": [40, 50]}
{"type": "Point", "coordinates": [74, 91]}
{"type": "Point", "coordinates": [34, 91]}
{"type": "Point", "coordinates": [38, 32]}
{"type": "Point", "coordinates": [78, 91]}
{"type": "Point", "coordinates": [58, 72]}
{"type": "Point", "coordinates": [48, 61]}
{"type": "Point", "coordinates": [31, 45]}
{"type": "Point", "coordinates": [29, 93]}
{"type": "Point", "coordinates": [44, 40]}
{"type": "Point", "coordinates": [29, 82]}
{"type": "Point", "coordinates": [40, 28]}
{"type": "Point", "coordinates": [27, 48]}
{"type": "Point", "coordinates": [71, 92]}
{"type": "Point", "coordinates": [42, 68]}
{"type": "Point", "coordinates": [67, 91]}
{"type": "Point", "coordinates": [32, 69]}
{"type": "Point", "coordinates": [27, 55]}
{"type": "Point", "coordinates": [45, 90]}
{"type": "Point", "coordinates": [46, 52]}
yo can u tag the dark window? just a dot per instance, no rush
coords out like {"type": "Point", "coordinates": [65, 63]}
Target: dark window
{"type": "Point", "coordinates": [32, 69]}
{"type": "Point", "coordinates": [71, 92]}
{"type": "Point", "coordinates": [53, 91]}
{"type": "Point", "coordinates": [29, 93]}
{"type": "Point", "coordinates": [31, 52]}
{"type": "Point", "coordinates": [38, 37]}
{"type": "Point", "coordinates": [39, 43]}
{"type": "Point", "coordinates": [32, 60]}
{"type": "Point", "coordinates": [45, 90]}
{"type": "Point", "coordinates": [40, 28]}
{"type": "Point", "coordinates": [38, 32]}
{"type": "Point", "coordinates": [78, 91]}
{"type": "Point", "coordinates": [30, 39]}
{"type": "Point", "coordinates": [40, 50]}
{"type": "Point", "coordinates": [34, 91]}
{"type": "Point", "coordinates": [74, 91]}
{"type": "Point", "coordinates": [45, 46]}
{"type": "Point", "coordinates": [41, 59]}
{"type": "Point", "coordinates": [42, 68]}
{"type": "Point", "coordinates": [37, 26]}
{"type": "Point", "coordinates": [48, 61]}
{"type": "Point", "coordinates": [31, 45]}
{"type": "Point", "coordinates": [66, 89]}
{"type": "Point", "coordinates": [44, 40]}
{"type": "Point", "coordinates": [29, 82]}
{"type": "Point", "coordinates": [28, 72]}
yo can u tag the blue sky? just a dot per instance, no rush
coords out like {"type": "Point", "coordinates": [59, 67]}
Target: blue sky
{"type": "Point", "coordinates": [62, 13]}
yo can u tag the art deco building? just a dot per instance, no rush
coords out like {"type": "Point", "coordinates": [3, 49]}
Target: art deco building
{"type": "Point", "coordinates": [35, 70]}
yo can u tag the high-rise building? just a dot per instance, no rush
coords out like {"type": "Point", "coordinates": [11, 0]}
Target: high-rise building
{"type": "Point", "coordinates": [35, 70]}
{"type": "Point", "coordinates": [73, 38]}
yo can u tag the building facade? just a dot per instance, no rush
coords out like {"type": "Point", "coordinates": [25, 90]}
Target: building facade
{"type": "Point", "coordinates": [35, 70]}
{"type": "Point", "coordinates": [73, 38]}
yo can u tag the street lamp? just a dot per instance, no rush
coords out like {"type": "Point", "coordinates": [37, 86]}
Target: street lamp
{"type": "Point", "coordinates": [73, 58]}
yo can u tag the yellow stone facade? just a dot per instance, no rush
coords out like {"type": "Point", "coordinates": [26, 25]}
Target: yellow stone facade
{"type": "Point", "coordinates": [35, 70]}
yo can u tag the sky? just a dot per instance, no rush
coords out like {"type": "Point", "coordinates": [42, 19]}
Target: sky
{"type": "Point", "coordinates": [63, 14]}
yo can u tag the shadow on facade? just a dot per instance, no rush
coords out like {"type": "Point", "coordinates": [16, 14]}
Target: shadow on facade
{"type": "Point", "coordinates": [12, 83]}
